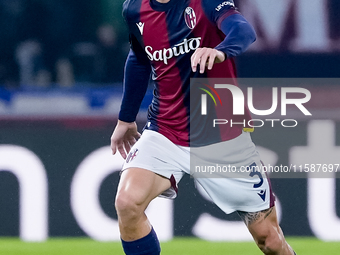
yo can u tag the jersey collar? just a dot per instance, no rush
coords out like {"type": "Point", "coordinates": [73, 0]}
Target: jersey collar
{"type": "Point", "coordinates": [157, 6]}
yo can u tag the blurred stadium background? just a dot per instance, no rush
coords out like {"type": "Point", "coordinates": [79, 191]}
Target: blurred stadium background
{"type": "Point", "coordinates": [61, 69]}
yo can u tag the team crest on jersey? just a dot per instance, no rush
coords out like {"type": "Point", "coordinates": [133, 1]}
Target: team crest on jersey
{"type": "Point", "coordinates": [132, 155]}
{"type": "Point", "coordinates": [190, 17]}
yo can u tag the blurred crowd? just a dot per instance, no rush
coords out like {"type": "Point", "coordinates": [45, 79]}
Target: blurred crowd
{"type": "Point", "coordinates": [65, 43]}
{"type": "Point", "coordinates": [48, 43]}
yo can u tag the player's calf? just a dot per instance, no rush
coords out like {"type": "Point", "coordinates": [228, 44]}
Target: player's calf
{"type": "Point", "coordinates": [272, 244]}
{"type": "Point", "coordinates": [266, 232]}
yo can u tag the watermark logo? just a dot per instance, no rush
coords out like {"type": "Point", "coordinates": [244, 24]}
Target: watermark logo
{"type": "Point", "coordinates": [239, 100]}
{"type": "Point", "coordinates": [280, 98]}
{"type": "Point", "coordinates": [204, 98]}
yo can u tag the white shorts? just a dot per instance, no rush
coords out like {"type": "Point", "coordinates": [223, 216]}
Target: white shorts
{"type": "Point", "coordinates": [250, 193]}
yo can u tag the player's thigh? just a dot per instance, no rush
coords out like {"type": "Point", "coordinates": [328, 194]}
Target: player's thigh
{"type": "Point", "coordinates": [140, 186]}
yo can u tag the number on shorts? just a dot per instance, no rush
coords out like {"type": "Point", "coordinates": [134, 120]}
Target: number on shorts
{"type": "Point", "coordinates": [255, 171]}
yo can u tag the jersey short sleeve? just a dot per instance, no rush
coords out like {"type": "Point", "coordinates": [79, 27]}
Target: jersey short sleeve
{"type": "Point", "coordinates": [218, 10]}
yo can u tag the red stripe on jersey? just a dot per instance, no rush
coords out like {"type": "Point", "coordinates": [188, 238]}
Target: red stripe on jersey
{"type": "Point", "coordinates": [172, 118]}
{"type": "Point", "coordinates": [227, 69]}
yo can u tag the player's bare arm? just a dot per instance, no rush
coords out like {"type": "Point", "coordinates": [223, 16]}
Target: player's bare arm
{"type": "Point", "coordinates": [206, 57]}
{"type": "Point", "coordinates": [124, 137]}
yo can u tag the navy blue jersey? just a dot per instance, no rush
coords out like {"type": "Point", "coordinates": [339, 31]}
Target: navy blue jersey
{"type": "Point", "coordinates": [167, 35]}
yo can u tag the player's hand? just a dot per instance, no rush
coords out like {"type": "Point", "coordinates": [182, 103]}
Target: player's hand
{"type": "Point", "coordinates": [124, 137]}
{"type": "Point", "coordinates": [206, 57]}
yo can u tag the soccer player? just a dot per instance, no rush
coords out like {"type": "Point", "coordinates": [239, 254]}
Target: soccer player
{"type": "Point", "coordinates": [171, 42]}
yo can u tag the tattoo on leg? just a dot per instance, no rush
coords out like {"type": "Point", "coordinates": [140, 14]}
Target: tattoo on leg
{"type": "Point", "coordinates": [251, 217]}
{"type": "Point", "coordinates": [267, 212]}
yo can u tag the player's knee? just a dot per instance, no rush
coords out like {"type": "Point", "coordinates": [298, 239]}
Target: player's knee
{"type": "Point", "coordinates": [270, 244]}
{"type": "Point", "coordinates": [127, 205]}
